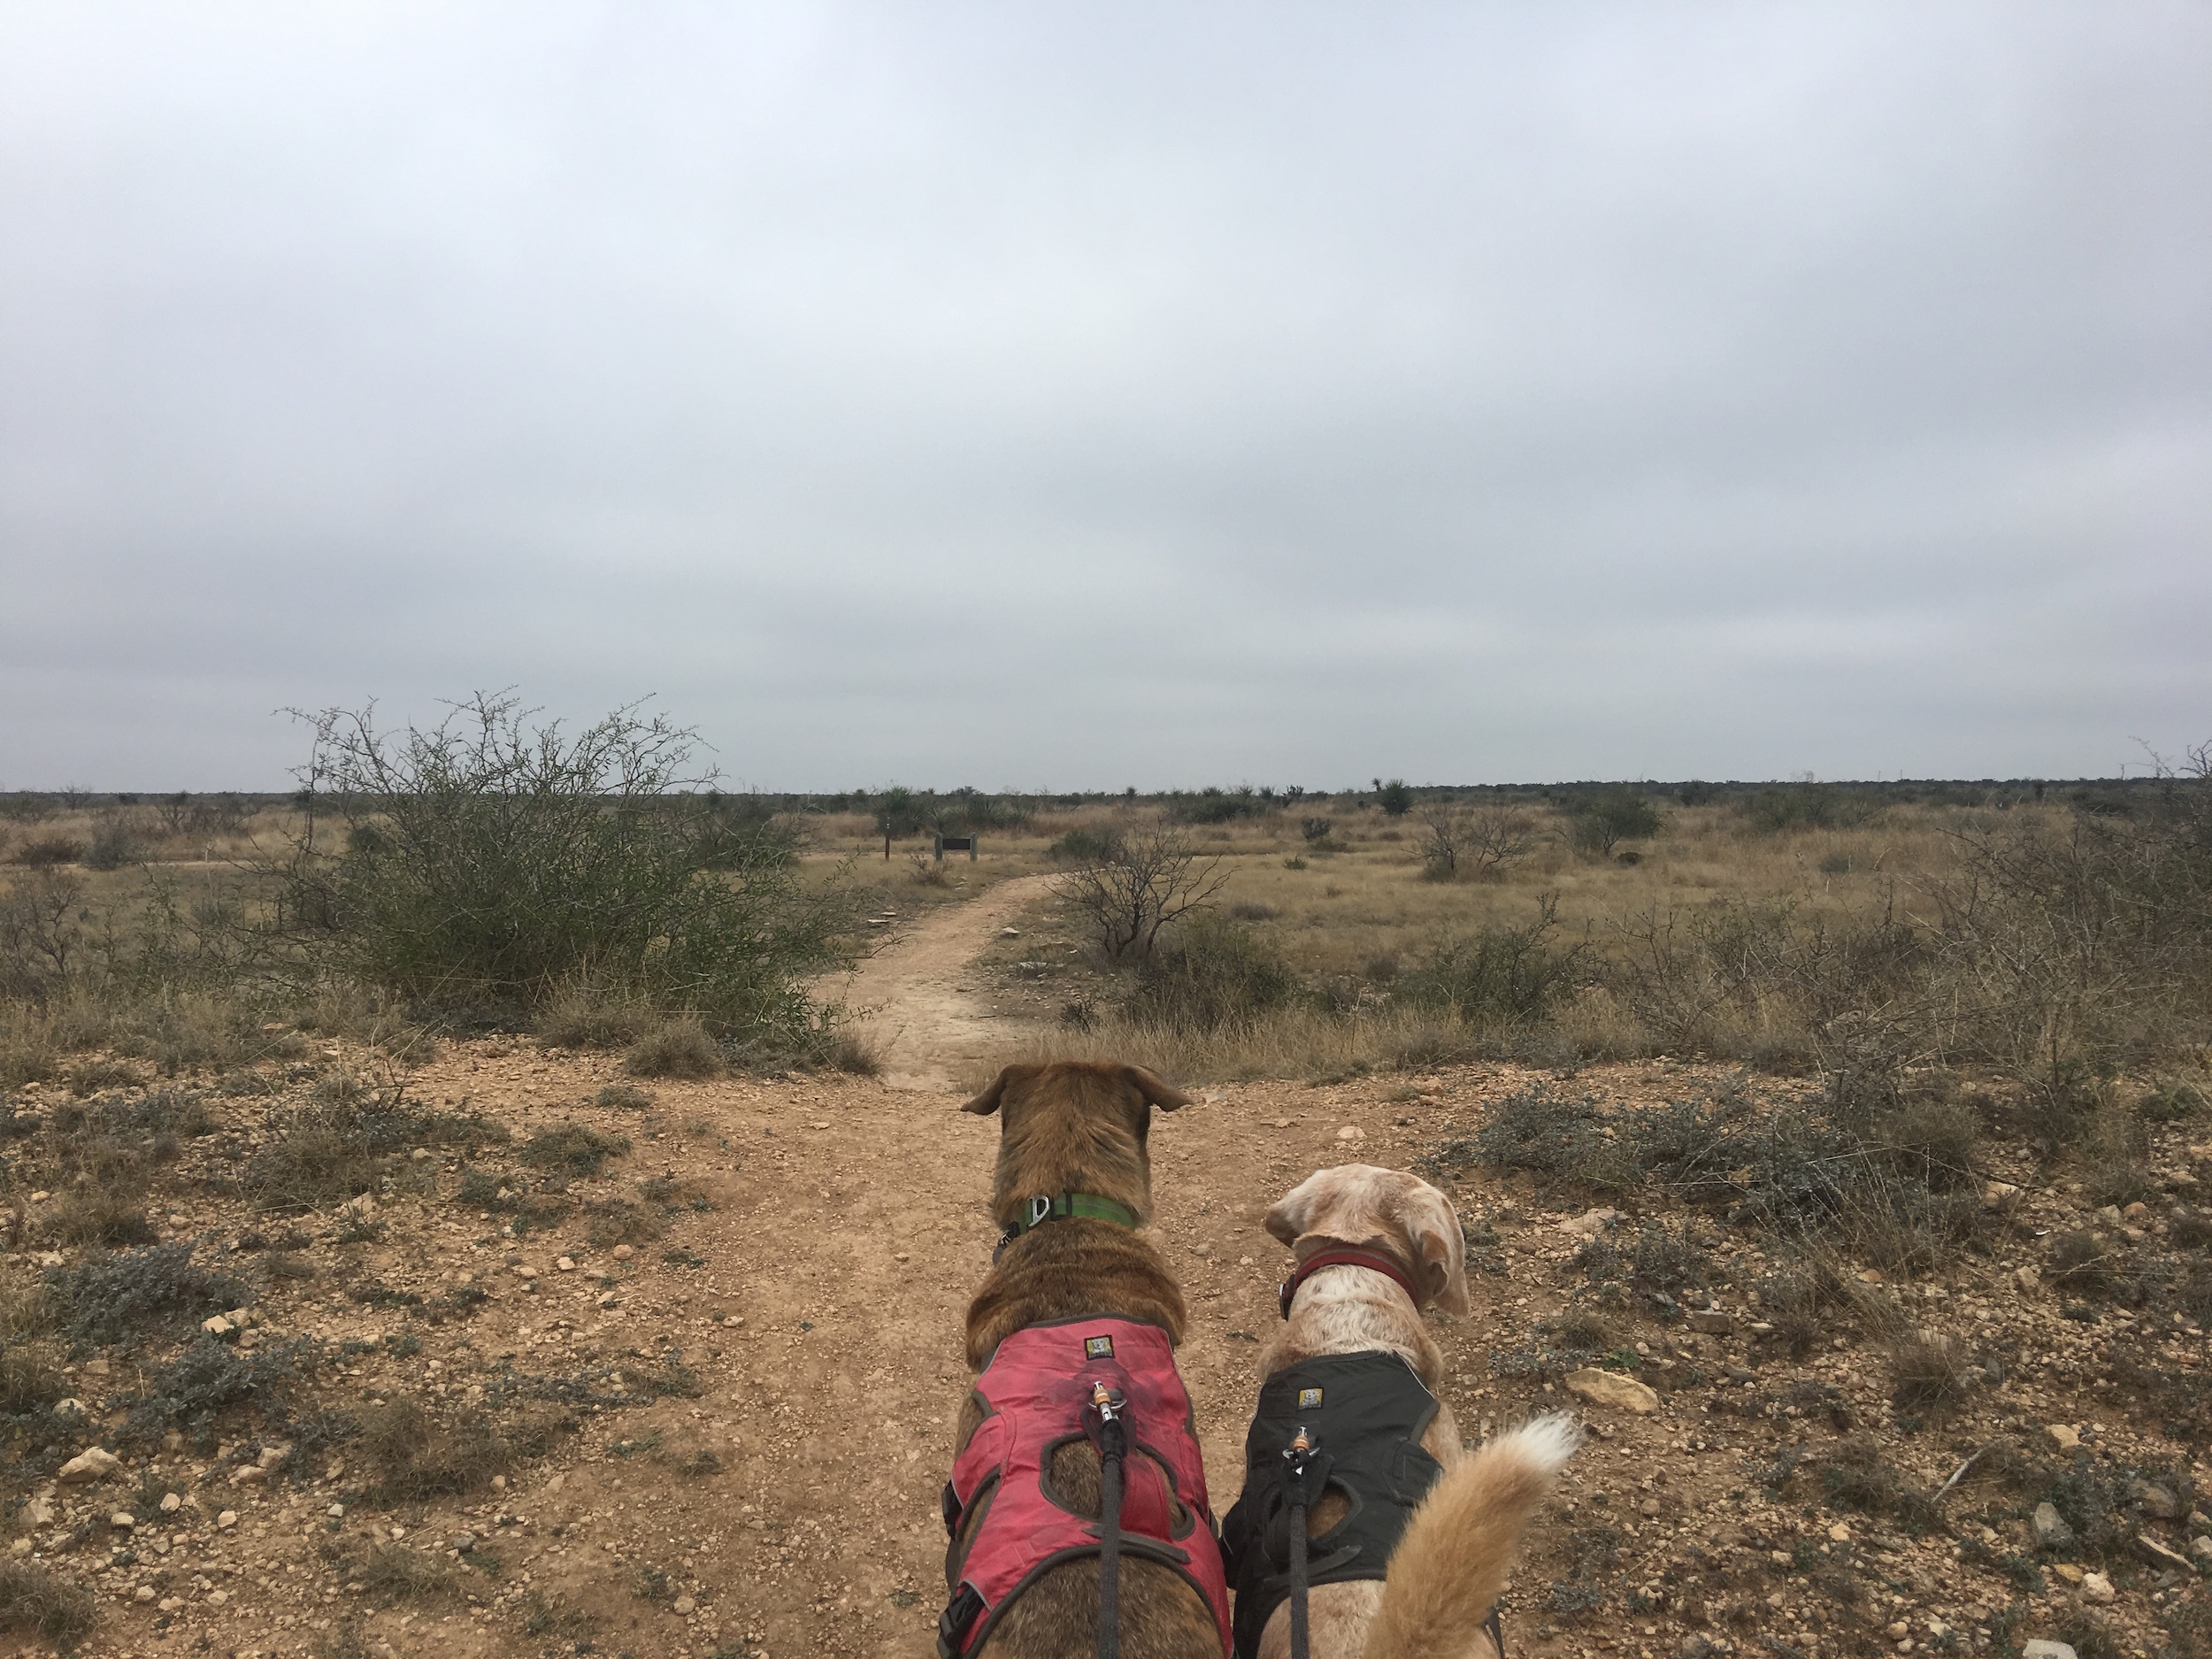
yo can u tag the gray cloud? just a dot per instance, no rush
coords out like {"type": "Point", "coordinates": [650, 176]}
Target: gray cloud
{"type": "Point", "coordinates": [1080, 397]}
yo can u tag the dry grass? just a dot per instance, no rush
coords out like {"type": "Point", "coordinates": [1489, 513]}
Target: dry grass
{"type": "Point", "coordinates": [678, 1049]}
{"type": "Point", "coordinates": [38, 1602]}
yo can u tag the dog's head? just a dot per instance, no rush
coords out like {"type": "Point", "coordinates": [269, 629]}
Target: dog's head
{"type": "Point", "coordinates": [1075, 1126]}
{"type": "Point", "coordinates": [1358, 1203]}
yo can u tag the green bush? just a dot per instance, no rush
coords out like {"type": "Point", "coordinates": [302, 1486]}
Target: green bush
{"type": "Point", "coordinates": [130, 1294]}
{"type": "Point", "coordinates": [1395, 797]}
{"type": "Point", "coordinates": [488, 863]}
{"type": "Point", "coordinates": [49, 850]}
{"type": "Point", "coordinates": [1602, 821]}
{"type": "Point", "coordinates": [1499, 974]}
{"type": "Point", "coordinates": [1210, 973]}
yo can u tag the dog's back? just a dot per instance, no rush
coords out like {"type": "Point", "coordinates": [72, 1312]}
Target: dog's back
{"type": "Point", "coordinates": [1067, 1131]}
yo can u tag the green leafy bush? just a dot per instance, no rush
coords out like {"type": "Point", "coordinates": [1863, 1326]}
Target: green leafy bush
{"type": "Point", "coordinates": [130, 1295]}
{"type": "Point", "coordinates": [1211, 973]}
{"type": "Point", "coordinates": [1500, 973]}
{"type": "Point", "coordinates": [489, 864]}
{"type": "Point", "coordinates": [1602, 821]}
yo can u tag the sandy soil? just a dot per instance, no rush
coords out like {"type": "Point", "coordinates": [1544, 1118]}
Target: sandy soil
{"type": "Point", "coordinates": [930, 1014]}
{"type": "Point", "coordinates": [825, 1239]}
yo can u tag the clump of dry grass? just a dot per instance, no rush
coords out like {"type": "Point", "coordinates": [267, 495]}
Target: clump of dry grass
{"type": "Point", "coordinates": [1928, 1372]}
{"type": "Point", "coordinates": [415, 1457]}
{"type": "Point", "coordinates": [678, 1049]}
{"type": "Point", "coordinates": [36, 1601]}
{"type": "Point", "coordinates": [585, 1016]}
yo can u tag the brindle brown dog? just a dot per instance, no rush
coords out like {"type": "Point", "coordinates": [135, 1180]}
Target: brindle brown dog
{"type": "Point", "coordinates": [1078, 1128]}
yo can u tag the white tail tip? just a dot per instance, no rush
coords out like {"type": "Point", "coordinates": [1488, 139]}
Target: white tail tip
{"type": "Point", "coordinates": [1546, 1441]}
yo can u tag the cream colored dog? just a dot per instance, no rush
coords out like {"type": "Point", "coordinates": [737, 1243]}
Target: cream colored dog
{"type": "Point", "coordinates": [1450, 1563]}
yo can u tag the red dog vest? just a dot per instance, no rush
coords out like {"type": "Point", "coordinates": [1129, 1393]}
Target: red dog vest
{"type": "Point", "coordinates": [1035, 1388]}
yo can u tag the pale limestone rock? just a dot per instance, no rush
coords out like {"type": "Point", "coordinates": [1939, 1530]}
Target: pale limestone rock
{"type": "Point", "coordinates": [1610, 1388]}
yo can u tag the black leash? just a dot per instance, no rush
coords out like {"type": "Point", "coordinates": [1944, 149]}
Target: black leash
{"type": "Point", "coordinates": [1103, 1422]}
{"type": "Point", "coordinates": [1296, 1461]}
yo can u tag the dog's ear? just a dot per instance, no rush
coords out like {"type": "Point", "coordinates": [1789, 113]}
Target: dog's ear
{"type": "Point", "coordinates": [1431, 1225]}
{"type": "Point", "coordinates": [1152, 1088]}
{"type": "Point", "coordinates": [984, 1104]}
{"type": "Point", "coordinates": [1292, 1218]}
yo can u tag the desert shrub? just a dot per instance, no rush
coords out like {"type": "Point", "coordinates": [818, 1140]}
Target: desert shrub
{"type": "Point", "coordinates": [487, 862]}
{"type": "Point", "coordinates": [1395, 797]}
{"type": "Point", "coordinates": [99, 1073]}
{"type": "Point", "coordinates": [679, 1048]}
{"type": "Point", "coordinates": [127, 1296]}
{"type": "Point", "coordinates": [1600, 823]}
{"type": "Point", "coordinates": [1082, 845]}
{"type": "Point", "coordinates": [36, 1601]}
{"type": "Point", "coordinates": [624, 1097]}
{"type": "Point", "coordinates": [1808, 806]}
{"type": "Point", "coordinates": [1933, 1142]}
{"type": "Point", "coordinates": [2083, 1265]}
{"type": "Point", "coordinates": [1654, 1261]}
{"type": "Point", "coordinates": [1148, 877]}
{"type": "Point", "coordinates": [572, 1149]}
{"type": "Point", "coordinates": [1928, 1372]}
{"type": "Point", "coordinates": [1216, 805]}
{"type": "Point", "coordinates": [580, 1017]}
{"type": "Point", "coordinates": [1858, 1472]}
{"type": "Point", "coordinates": [616, 1221]}
{"type": "Point", "coordinates": [2115, 1159]}
{"type": "Point", "coordinates": [414, 1455]}
{"type": "Point", "coordinates": [1500, 973]}
{"type": "Point", "coordinates": [116, 842]}
{"type": "Point", "coordinates": [29, 1381]}
{"type": "Point", "coordinates": [49, 850]}
{"type": "Point", "coordinates": [391, 1573]}
{"type": "Point", "coordinates": [1314, 831]}
{"type": "Point", "coordinates": [1540, 1130]}
{"type": "Point", "coordinates": [2173, 1103]}
{"type": "Point", "coordinates": [208, 1379]}
{"type": "Point", "coordinates": [338, 1144]}
{"type": "Point", "coordinates": [1212, 974]}
{"type": "Point", "coordinates": [1799, 1301]}
{"type": "Point", "coordinates": [854, 1054]}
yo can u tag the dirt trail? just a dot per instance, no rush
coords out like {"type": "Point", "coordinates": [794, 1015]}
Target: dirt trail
{"type": "Point", "coordinates": [921, 999]}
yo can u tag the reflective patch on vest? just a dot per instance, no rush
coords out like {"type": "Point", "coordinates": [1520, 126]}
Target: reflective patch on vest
{"type": "Point", "coordinates": [1098, 1347]}
{"type": "Point", "coordinates": [1309, 1399]}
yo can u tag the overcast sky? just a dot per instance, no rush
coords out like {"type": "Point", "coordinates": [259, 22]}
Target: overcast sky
{"type": "Point", "coordinates": [1061, 396]}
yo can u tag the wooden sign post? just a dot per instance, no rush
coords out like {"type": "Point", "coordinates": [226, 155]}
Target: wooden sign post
{"type": "Point", "coordinates": [956, 844]}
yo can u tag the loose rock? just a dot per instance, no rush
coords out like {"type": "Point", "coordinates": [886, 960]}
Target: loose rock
{"type": "Point", "coordinates": [2051, 1531]}
{"type": "Point", "coordinates": [93, 1463]}
{"type": "Point", "coordinates": [1610, 1388]}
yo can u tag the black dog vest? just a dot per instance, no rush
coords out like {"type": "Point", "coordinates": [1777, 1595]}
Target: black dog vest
{"type": "Point", "coordinates": [1365, 1414]}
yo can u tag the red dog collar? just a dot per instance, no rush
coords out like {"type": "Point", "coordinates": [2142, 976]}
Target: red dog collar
{"type": "Point", "coordinates": [1349, 1256]}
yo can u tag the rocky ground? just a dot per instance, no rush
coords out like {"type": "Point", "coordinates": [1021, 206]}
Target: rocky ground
{"type": "Point", "coordinates": [592, 1365]}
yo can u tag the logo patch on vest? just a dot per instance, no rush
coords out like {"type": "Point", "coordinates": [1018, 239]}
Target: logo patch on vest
{"type": "Point", "coordinates": [1098, 1347]}
{"type": "Point", "coordinates": [1309, 1399]}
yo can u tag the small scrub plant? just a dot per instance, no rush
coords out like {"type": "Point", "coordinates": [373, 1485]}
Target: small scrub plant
{"type": "Point", "coordinates": [572, 1149]}
{"type": "Point", "coordinates": [1395, 797]}
{"type": "Point", "coordinates": [37, 1602]}
{"type": "Point", "coordinates": [1213, 973]}
{"type": "Point", "coordinates": [679, 1048]}
{"type": "Point", "coordinates": [1928, 1372]}
{"type": "Point", "coordinates": [1601, 822]}
{"type": "Point", "coordinates": [624, 1097]}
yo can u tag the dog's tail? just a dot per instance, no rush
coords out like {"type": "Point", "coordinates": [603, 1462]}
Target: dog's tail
{"type": "Point", "coordinates": [1451, 1562]}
